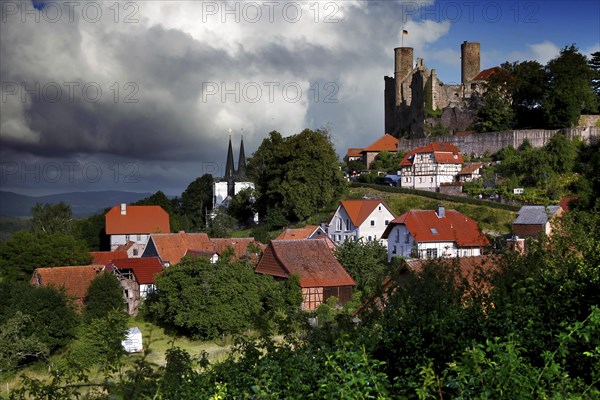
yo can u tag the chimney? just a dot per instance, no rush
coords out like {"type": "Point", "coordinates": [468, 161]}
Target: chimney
{"type": "Point", "coordinates": [123, 209]}
{"type": "Point", "coordinates": [441, 211]}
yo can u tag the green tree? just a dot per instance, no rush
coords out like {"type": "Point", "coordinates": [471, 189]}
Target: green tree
{"type": "Point", "coordinates": [561, 152]}
{"type": "Point", "coordinates": [105, 294]}
{"type": "Point", "coordinates": [528, 93]}
{"type": "Point", "coordinates": [19, 342]}
{"type": "Point", "coordinates": [570, 91]}
{"type": "Point", "coordinates": [299, 175]}
{"type": "Point", "coordinates": [49, 315]}
{"type": "Point", "coordinates": [51, 218]}
{"type": "Point", "coordinates": [242, 206]}
{"type": "Point", "coordinates": [197, 201]}
{"type": "Point", "coordinates": [206, 300]}
{"type": "Point", "coordinates": [26, 251]}
{"type": "Point", "coordinates": [93, 231]}
{"type": "Point", "coordinates": [221, 224]}
{"type": "Point", "coordinates": [366, 262]}
{"type": "Point", "coordinates": [496, 113]}
{"type": "Point", "coordinates": [93, 346]}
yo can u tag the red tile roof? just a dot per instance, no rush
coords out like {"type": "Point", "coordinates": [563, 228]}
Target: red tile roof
{"type": "Point", "coordinates": [144, 269]}
{"type": "Point", "coordinates": [359, 210]}
{"type": "Point", "coordinates": [487, 73]}
{"type": "Point", "coordinates": [474, 269]}
{"type": "Point", "coordinates": [104, 257]}
{"type": "Point", "coordinates": [385, 143]}
{"type": "Point", "coordinates": [239, 245]}
{"type": "Point", "coordinates": [468, 169]}
{"type": "Point", "coordinates": [354, 152]}
{"type": "Point", "coordinates": [137, 220]}
{"type": "Point", "coordinates": [454, 227]}
{"type": "Point", "coordinates": [171, 247]}
{"type": "Point", "coordinates": [311, 260]}
{"type": "Point", "coordinates": [298, 233]}
{"type": "Point", "coordinates": [75, 280]}
{"type": "Point", "coordinates": [564, 202]}
{"type": "Point", "coordinates": [445, 153]}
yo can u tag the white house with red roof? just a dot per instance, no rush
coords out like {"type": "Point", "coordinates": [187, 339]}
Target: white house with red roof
{"type": "Point", "coordinates": [426, 167]}
{"type": "Point", "coordinates": [355, 219]}
{"type": "Point", "coordinates": [432, 234]}
{"type": "Point", "coordinates": [127, 224]}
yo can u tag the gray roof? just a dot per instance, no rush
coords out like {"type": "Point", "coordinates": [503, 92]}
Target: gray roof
{"type": "Point", "coordinates": [535, 215]}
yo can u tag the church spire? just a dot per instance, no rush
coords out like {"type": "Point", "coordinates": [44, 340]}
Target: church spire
{"type": "Point", "coordinates": [230, 171]}
{"type": "Point", "coordinates": [241, 172]}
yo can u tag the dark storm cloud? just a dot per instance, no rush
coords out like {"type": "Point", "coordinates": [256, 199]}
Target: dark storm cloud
{"type": "Point", "coordinates": [171, 130]}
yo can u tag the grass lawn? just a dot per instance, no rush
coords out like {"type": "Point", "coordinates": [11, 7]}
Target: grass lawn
{"type": "Point", "coordinates": [157, 342]}
{"type": "Point", "coordinates": [489, 219]}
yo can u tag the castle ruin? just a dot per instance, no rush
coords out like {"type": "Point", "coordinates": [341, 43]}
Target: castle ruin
{"type": "Point", "coordinates": [415, 94]}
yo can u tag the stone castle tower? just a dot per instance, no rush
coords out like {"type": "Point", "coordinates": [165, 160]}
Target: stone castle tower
{"type": "Point", "coordinates": [415, 92]}
{"type": "Point", "coordinates": [469, 61]}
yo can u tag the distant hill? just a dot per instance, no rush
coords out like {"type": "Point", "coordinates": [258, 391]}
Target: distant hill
{"type": "Point", "coordinates": [82, 203]}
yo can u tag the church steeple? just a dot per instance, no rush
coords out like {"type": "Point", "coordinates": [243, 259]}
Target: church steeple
{"type": "Point", "coordinates": [230, 171]}
{"type": "Point", "coordinates": [241, 171]}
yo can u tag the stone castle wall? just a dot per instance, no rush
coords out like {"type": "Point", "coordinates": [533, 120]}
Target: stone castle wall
{"type": "Point", "coordinates": [491, 142]}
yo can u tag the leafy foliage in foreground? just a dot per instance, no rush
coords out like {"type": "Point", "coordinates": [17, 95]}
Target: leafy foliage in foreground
{"type": "Point", "coordinates": [208, 300]}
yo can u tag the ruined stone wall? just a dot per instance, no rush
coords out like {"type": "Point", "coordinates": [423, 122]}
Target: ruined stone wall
{"type": "Point", "coordinates": [479, 143]}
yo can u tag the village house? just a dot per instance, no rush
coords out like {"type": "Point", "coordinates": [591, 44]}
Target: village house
{"type": "Point", "coordinates": [355, 219]}
{"type": "Point", "coordinates": [385, 143]}
{"type": "Point", "coordinates": [75, 280]}
{"type": "Point", "coordinates": [127, 224]}
{"type": "Point", "coordinates": [532, 221]}
{"type": "Point", "coordinates": [470, 172]}
{"type": "Point", "coordinates": [308, 232]}
{"type": "Point", "coordinates": [172, 247]}
{"type": "Point", "coordinates": [320, 273]}
{"type": "Point", "coordinates": [136, 276]}
{"type": "Point", "coordinates": [426, 167]}
{"type": "Point", "coordinates": [104, 257]}
{"type": "Point", "coordinates": [354, 154]}
{"type": "Point", "coordinates": [431, 234]}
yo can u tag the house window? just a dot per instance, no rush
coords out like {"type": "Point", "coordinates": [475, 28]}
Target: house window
{"type": "Point", "coordinates": [370, 238]}
{"type": "Point", "coordinates": [406, 238]}
{"type": "Point", "coordinates": [372, 222]}
{"type": "Point", "coordinates": [420, 180]}
{"type": "Point", "coordinates": [347, 224]}
{"type": "Point", "coordinates": [387, 222]}
{"type": "Point", "coordinates": [339, 224]}
{"type": "Point", "coordinates": [434, 231]}
{"type": "Point", "coordinates": [431, 253]}
{"type": "Point", "coordinates": [135, 252]}
{"type": "Point", "coordinates": [126, 238]}
{"type": "Point", "coordinates": [431, 179]}
{"type": "Point", "coordinates": [398, 236]}
{"type": "Point", "coordinates": [394, 251]}
{"type": "Point", "coordinates": [139, 238]}
{"type": "Point", "coordinates": [379, 208]}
